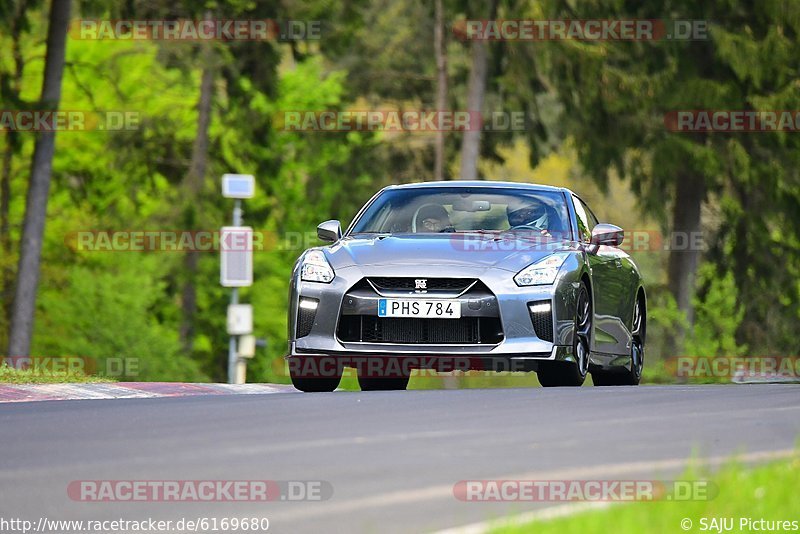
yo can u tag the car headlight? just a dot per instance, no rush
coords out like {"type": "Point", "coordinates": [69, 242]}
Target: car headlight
{"type": "Point", "coordinates": [315, 268]}
{"type": "Point", "coordinates": [543, 272]}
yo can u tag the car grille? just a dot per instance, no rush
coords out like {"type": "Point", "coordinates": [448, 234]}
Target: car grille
{"type": "Point", "coordinates": [371, 329]}
{"type": "Point", "coordinates": [543, 323]}
{"type": "Point", "coordinates": [455, 285]}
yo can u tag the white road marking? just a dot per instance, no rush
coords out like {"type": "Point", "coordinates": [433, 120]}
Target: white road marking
{"type": "Point", "coordinates": [349, 440]}
{"type": "Point", "coordinates": [545, 514]}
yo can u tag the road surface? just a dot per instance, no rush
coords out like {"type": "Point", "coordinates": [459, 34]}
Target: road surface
{"type": "Point", "coordinates": [391, 458]}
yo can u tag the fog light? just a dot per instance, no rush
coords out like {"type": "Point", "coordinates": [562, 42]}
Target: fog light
{"type": "Point", "coordinates": [309, 304]}
{"type": "Point", "coordinates": [542, 319]}
{"type": "Point", "coordinates": [539, 307]}
{"type": "Point", "coordinates": [306, 315]}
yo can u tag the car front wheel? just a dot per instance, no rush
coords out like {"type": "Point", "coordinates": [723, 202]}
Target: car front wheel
{"type": "Point", "coordinates": [624, 376]}
{"type": "Point", "coordinates": [572, 373]}
{"type": "Point", "coordinates": [314, 375]}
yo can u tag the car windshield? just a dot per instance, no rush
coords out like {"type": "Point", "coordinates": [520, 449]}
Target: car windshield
{"type": "Point", "coordinates": [426, 210]}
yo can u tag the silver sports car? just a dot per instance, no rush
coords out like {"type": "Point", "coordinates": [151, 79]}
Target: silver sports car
{"type": "Point", "coordinates": [463, 275]}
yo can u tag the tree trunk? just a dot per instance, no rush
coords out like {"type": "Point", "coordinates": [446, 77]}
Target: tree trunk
{"type": "Point", "coordinates": [11, 147]}
{"type": "Point", "coordinates": [684, 255]}
{"type": "Point", "coordinates": [194, 185]}
{"type": "Point", "coordinates": [5, 229]}
{"type": "Point", "coordinates": [476, 91]}
{"type": "Point", "coordinates": [440, 48]}
{"type": "Point", "coordinates": [440, 52]}
{"type": "Point", "coordinates": [39, 188]}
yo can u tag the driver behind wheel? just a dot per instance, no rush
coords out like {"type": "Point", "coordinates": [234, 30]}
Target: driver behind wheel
{"type": "Point", "coordinates": [433, 218]}
{"type": "Point", "coordinates": [530, 213]}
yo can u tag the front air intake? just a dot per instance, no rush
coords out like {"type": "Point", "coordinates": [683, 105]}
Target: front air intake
{"type": "Point", "coordinates": [402, 330]}
{"type": "Point", "coordinates": [542, 318]}
{"type": "Point", "coordinates": [306, 312]}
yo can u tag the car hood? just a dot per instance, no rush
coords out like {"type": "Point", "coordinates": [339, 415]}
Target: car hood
{"type": "Point", "coordinates": [505, 251]}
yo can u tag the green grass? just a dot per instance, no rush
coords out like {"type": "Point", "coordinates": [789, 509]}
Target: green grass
{"type": "Point", "coordinates": [657, 372]}
{"type": "Point", "coordinates": [474, 379]}
{"type": "Point", "coordinates": [768, 492]}
{"type": "Point", "coordinates": [11, 375]}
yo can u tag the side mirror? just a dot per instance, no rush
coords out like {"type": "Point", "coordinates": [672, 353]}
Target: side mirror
{"type": "Point", "coordinates": [607, 234]}
{"type": "Point", "coordinates": [329, 231]}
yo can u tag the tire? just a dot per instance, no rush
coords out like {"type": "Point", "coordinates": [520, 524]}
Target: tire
{"type": "Point", "coordinates": [554, 374]}
{"type": "Point", "coordinates": [380, 383]}
{"type": "Point", "coordinates": [625, 376]}
{"type": "Point", "coordinates": [309, 379]}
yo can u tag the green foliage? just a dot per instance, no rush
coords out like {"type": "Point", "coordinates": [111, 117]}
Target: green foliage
{"type": "Point", "coordinates": [107, 310]}
{"type": "Point", "coordinates": [664, 319]}
{"type": "Point", "coordinates": [718, 314]}
{"type": "Point", "coordinates": [615, 96]}
{"type": "Point", "coordinates": [658, 372]}
{"type": "Point", "coordinates": [11, 375]}
{"type": "Point", "coordinates": [318, 177]}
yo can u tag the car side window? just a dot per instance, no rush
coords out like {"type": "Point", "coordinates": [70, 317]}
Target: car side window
{"type": "Point", "coordinates": [584, 224]}
{"type": "Point", "coordinates": [592, 219]}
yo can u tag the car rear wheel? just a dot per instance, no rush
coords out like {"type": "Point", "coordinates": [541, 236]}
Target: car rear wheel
{"type": "Point", "coordinates": [311, 376]}
{"type": "Point", "coordinates": [572, 373]}
{"type": "Point", "coordinates": [632, 376]}
{"type": "Point", "coordinates": [380, 383]}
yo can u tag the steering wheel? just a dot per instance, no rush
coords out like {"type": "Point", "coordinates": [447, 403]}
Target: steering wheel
{"type": "Point", "coordinates": [541, 231]}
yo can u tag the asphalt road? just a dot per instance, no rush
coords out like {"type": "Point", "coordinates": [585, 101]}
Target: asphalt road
{"type": "Point", "coordinates": [392, 458]}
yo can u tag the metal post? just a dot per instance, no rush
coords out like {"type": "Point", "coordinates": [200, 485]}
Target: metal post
{"type": "Point", "coordinates": [237, 221]}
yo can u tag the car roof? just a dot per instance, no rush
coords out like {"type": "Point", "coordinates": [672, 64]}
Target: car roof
{"type": "Point", "coordinates": [479, 183]}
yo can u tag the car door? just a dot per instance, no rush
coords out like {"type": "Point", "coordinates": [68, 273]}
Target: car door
{"type": "Point", "coordinates": [609, 287]}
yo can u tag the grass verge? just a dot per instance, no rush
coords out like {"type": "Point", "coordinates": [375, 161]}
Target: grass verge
{"type": "Point", "coordinates": [746, 497]}
{"type": "Point", "coordinates": [12, 375]}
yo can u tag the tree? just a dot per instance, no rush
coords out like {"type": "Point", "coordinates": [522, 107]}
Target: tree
{"type": "Point", "coordinates": [440, 51]}
{"type": "Point", "coordinates": [15, 20]}
{"type": "Point", "coordinates": [616, 95]}
{"type": "Point", "coordinates": [39, 186]}
{"type": "Point", "coordinates": [193, 186]}
{"type": "Point", "coordinates": [476, 93]}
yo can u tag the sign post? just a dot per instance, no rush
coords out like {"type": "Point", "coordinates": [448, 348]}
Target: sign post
{"type": "Point", "coordinates": [236, 269]}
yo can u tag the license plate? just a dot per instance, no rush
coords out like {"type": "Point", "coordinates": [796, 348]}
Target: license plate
{"type": "Point", "coordinates": [426, 309]}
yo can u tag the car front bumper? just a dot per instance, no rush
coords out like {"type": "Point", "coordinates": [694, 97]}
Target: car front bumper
{"type": "Point", "coordinates": [506, 301]}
